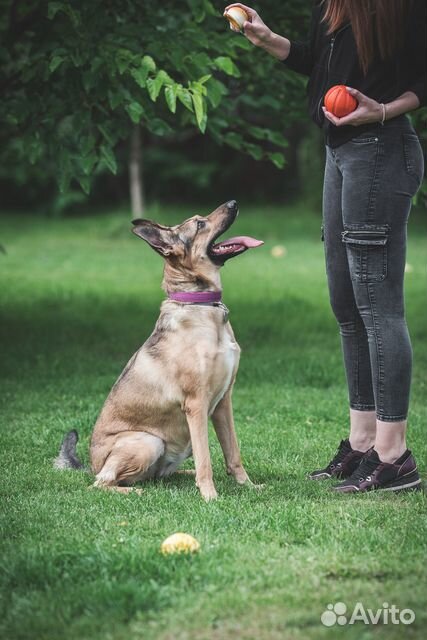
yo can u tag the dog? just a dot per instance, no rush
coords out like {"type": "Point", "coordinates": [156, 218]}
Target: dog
{"type": "Point", "coordinates": [157, 412]}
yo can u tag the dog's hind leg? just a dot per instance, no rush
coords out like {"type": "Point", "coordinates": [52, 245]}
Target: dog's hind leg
{"type": "Point", "coordinates": [132, 458]}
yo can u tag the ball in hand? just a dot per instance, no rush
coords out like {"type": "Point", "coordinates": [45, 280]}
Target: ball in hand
{"type": "Point", "coordinates": [339, 101]}
{"type": "Point", "coordinates": [236, 17]}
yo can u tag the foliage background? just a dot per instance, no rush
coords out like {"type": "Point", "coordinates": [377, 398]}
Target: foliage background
{"type": "Point", "coordinates": [79, 76]}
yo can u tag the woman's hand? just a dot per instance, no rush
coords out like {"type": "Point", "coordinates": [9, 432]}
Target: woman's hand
{"type": "Point", "coordinates": [367, 111]}
{"type": "Point", "coordinates": [254, 29]}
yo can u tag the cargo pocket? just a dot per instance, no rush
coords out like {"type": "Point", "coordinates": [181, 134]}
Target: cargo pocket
{"type": "Point", "coordinates": [414, 158]}
{"type": "Point", "coordinates": [366, 247]}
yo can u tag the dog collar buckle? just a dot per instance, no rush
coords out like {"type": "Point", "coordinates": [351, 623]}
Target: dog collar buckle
{"type": "Point", "coordinates": [224, 310]}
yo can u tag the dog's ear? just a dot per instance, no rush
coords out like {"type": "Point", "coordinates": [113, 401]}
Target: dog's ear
{"type": "Point", "coordinates": [159, 238]}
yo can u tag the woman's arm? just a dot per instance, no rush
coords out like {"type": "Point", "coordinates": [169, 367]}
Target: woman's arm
{"type": "Point", "coordinates": [262, 36]}
{"type": "Point", "coordinates": [277, 46]}
{"type": "Point", "coordinates": [370, 110]}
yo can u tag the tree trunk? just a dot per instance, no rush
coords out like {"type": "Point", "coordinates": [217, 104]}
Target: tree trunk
{"type": "Point", "coordinates": [136, 185]}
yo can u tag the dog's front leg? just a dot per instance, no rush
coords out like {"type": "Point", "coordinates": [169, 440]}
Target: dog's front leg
{"type": "Point", "coordinates": [197, 419]}
{"type": "Point", "coordinates": [223, 422]}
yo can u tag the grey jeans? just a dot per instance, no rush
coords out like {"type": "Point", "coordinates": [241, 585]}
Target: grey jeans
{"type": "Point", "coordinates": [369, 184]}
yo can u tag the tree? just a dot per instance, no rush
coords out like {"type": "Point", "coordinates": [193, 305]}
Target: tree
{"type": "Point", "coordinates": [79, 76]}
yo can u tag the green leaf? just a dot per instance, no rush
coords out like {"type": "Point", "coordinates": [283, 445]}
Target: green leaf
{"type": "Point", "coordinates": [114, 98]}
{"type": "Point", "coordinates": [170, 94]}
{"type": "Point", "coordinates": [196, 87]}
{"type": "Point", "coordinates": [241, 43]}
{"type": "Point", "coordinates": [34, 150]}
{"type": "Point", "coordinates": [184, 96]}
{"type": "Point", "coordinates": [135, 111]}
{"type": "Point", "coordinates": [215, 91]}
{"type": "Point", "coordinates": [200, 111]}
{"type": "Point", "coordinates": [159, 127]}
{"type": "Point", "coordinates": [254, 150]}
{"type": "Point", "coordinates": [224, 63]}
{"type": "Point", "coordinates": [209, 8]}
{"type": "Point", "coordinates": [53, 8]}
{"type": "Point", "coordinates": [108, 156]}
{"type": "Point", "coordinates": [87, 145]}
{"type": "Point", "coordinates": [258, 132]}
{"type": "Point", "coordinates": [233, 139]}
{"type": "Point", "coordinates": [88, 162]}
{"type": "Point", "coordinates": [148, 64]}
{"type": "Point", "coordinates": [201, 61]}
{"type": "Point", "coordinates": [64, 179]}
{"type": "Point", "coordinates": [122, 65]}
{"type": "Point", "coordinates": [267, 134]}
{"type": "Point", "coordinates": [64, 170]}
{"type": "Point", "coordinates": [140, 76]}
{"type": "Point", "coordinates": [85, 183]}
{"type": "Point", "coordinates": [106, 134]}
{"type": "Point", "coordinates": [278, 159]}
{"type": "Point", "coordinates": [124, 58]}
{"type": "Point", "coordinates": [153, 89]}
{"type": "Point", "coordinates": [277, 138]}
{"type": "Point", "coordinates": [154, 85]}
{"type": "Point", "coordinates": [198, 10]}
{"type": "Point", "coordinates": [55, 62]}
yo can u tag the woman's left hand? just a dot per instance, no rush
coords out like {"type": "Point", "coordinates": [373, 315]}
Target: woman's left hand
{"type": "Point", "coordinates": [367, 111]}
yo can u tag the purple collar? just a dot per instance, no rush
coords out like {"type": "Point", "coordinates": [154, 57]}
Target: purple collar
{"type": "Point", "coordinates": [194, 297]}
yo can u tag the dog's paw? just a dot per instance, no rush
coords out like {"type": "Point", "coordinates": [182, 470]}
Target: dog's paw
{"type": "Point", "coordinates": [253, 486]}
{"type": "Point", "coordinates": [208, 493]}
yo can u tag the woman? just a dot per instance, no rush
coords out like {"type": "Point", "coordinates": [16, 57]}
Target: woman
{"type": "Point", "coordinates": [374, 166]}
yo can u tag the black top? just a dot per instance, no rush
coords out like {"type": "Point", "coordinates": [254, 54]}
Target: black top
{"type": "Point", "coordinates": [332, 59]}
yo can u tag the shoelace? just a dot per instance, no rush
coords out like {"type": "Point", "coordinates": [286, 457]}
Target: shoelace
{"type": "Point", "coordinates": [364, 470]}
{"type": "Point", "coordinates": [342, 451]}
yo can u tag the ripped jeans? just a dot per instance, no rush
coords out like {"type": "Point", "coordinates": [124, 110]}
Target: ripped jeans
{"type": "Point", "coordinates": [369, 184]}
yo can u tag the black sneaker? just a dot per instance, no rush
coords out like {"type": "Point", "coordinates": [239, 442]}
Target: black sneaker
{"type": "Point", "coordinates": [372, 474]}
{"type": "Point", "coordinates": [342, 465]}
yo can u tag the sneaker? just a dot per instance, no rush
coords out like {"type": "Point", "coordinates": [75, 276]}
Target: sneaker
{"type": "Point", "coordinates": [342, 465]}
{"type": "Point", "coordinates": [372, 474]}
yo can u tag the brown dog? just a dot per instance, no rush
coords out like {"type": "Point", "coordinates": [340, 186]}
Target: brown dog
{"type": "Point", "coordinates": [157, 413]}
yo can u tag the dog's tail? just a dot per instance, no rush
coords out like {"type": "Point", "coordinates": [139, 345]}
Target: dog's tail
{"type": "Point", "coordinates": [67, 458]}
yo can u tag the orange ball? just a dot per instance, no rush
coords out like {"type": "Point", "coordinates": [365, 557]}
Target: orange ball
{"type": "Point", "coordinates": [339, 101]}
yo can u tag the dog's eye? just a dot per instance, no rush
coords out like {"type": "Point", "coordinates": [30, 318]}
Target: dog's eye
{"type": "Point", "coordinates": [200, 224]}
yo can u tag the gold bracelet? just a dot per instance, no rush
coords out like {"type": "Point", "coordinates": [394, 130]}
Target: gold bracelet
{"type": "Point", "coordinates": [384, 114]}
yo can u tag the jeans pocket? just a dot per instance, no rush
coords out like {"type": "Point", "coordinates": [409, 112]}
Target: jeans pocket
{"type": "Point", "coordinates": [366, 247]}
{"type": "Point", "coordinates": [413, 156]}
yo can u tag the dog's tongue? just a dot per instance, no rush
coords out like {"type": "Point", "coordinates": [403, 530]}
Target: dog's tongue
{"type": "Point", "coordinates": [246, 241]}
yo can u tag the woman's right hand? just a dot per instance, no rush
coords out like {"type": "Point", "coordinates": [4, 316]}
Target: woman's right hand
{"type": "Point", "coordinates": [255, 28]}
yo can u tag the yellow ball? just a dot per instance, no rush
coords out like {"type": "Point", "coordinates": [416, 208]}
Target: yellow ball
{"type": "Point", "coordinates": [278, 251]}
{"type": "Point", "coordinates": [179, 543]}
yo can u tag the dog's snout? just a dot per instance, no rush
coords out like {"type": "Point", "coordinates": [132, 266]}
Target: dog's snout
{"type": "Point", "coordinates": [232, 204]}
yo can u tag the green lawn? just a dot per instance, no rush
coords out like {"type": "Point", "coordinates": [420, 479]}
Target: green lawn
{"type": "Point", "coordinates": [78, 297]}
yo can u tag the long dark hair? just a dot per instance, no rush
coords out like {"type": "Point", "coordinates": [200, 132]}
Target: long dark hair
{"type": "Point", "coordinates": [381, 21]}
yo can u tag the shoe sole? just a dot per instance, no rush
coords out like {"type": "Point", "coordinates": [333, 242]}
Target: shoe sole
{"type": "Point", "coordinates": [320, 476]}
{"type": "Point", "coordinates": [409, 485]}
{"type": "Point", "coordinates": [415, 486]}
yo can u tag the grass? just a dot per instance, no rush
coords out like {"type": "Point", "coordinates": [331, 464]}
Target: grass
{"type": "Point", "coordinates": [78, 297]}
